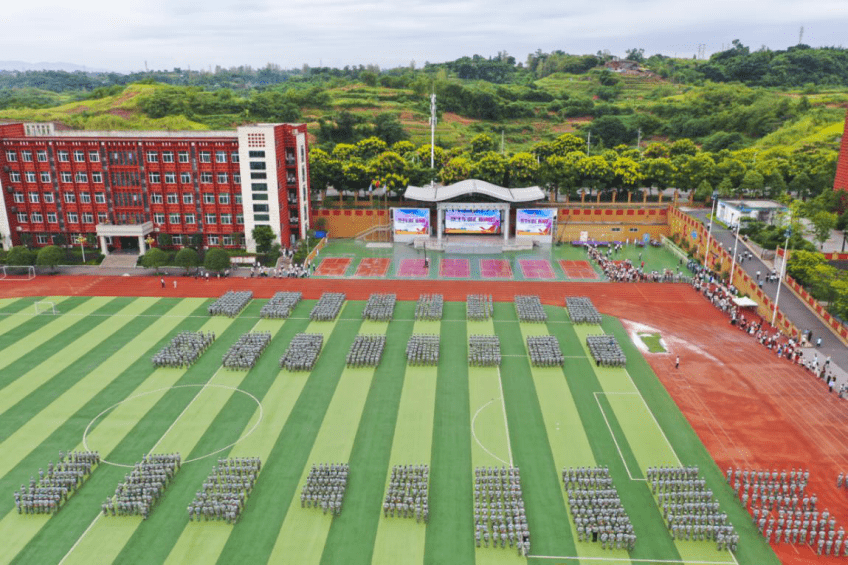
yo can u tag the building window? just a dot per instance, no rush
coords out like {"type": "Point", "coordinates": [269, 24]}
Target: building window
{"type": "Point", "coordinates": [15, 176]}
{"type": "Point", "coordinates": [257, 166]}
{"type": "Point", "coordinates": [155, 198]}
{"type": "Point", "coordinates": [42, 239]}
{"type": "Point", "coordinates": [177, 239]}
{"type": "Point", "coordinates": [94, 156]}
{"type": "Point", "coordinates": [167, 156]}
{"type": "Point", "coordinates": [213, 239]}
{"type": "Point", "coordinates": [223, 198]}
{"type": "Point", "coordinates": [45, 176]}
{"type": "Point", "coordinates": [70, 198]}
{"type": "Point", "coordinates": [97, 177]}
{"type": "Point", "coordinates": [222, 178]}
{"type": "Point", "coordinates": [189, 218]}
{"type": "Point", "coordinates": [226, 219]}
{"type": "Point", "coordinates": [258, 176]}
{"type": "Point", "coordinates": [48, 197]}
{"type": "Point", "coordinates": [11, 156]}
{"type": "Point", "coordinates": [41, 155]}
{"type": "Point", "coordinates": [239, 219]}
{"type": "Point", "coordinates": [188, 198]}
{"type": "Point", "coordinates": [238, 198]}
{"type": "Point", "coordinates": [102, 217]}
{"type": "Point", "coordinates": [100, 197]}
{"type": "Point", "coordinates": [174, 218]}
{"type": "Point", "coordinates": [261, 218]}
{"type": "Point", "coordinates": [206, 177]}
{"type": "Point", "coordinates": [211, 219]}
{"type": "Point", "coordinates": [183, 156]}
{"type": "Point", "coordinates": [159, 218]}
{"type": "Point", "coordinates": [237, 178]}
{"type": "Point", "coordinates": [51, 218]}
{"type": "Point", "coordinates": [208, 198]}
{"type": "Point", "coordinates": [256, 154]}
{"type": "Point", "coordinates": [64, 156]}
{"type": "Point", "coordinates": [30, 176]}
{"type": "Point", "coordinates": [634, 229]}
{"type": "Point", "coordinates": [79, 156]}
{"type": "Point", "coordinates": [87, 218]}
{"type": "Point", "coordinates": [260, 207]}
{"type": "Point", "coordinates": [205, 157]}
{"type": "Point", "coordinates": [82, 177]}
{"type": "Point", "coordinates": [26, 156]}
{"type": "Point", "coordinates": [173, 198]}
{"type": "Point", "coordinates": [234, 158]}
{"type": "Point", "coordinates": [85, 197]}
{"type": "Point", "coordinates": [73, 218]}
{"type": "Point", "coordinates": [33, 198]}
{"type": "Point", "coordinates": [37, 218]}
{"type": "Point", "coordinates": [154, 178]}
{"type": "Point", "coordinates": [185, 178]}
{"type": "Point", "coordinates": [220, 156]}
{"type": "Point", "coordinates": [152, 157]}
{"type": "Point", "coordinates": [259, 186]}
{"type": "Point", "coordinates": [259, 196]}
{"type": "Point", "coordinates": [19, 198]}
{"type": "Point", "coordinates": [170, 178]}
{"type": "Point", "coordinates": [67, 176]}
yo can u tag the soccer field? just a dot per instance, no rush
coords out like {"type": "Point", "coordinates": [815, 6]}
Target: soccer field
{"type": "Point", "coordinates": [83, 379]}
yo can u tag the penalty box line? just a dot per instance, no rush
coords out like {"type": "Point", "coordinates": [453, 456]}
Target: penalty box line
{"type": "Point", "coordinates": [631, 560]}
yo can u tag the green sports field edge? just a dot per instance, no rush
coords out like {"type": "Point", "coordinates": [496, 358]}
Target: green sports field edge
{"type": "Point", "coordinates": [88, 368]}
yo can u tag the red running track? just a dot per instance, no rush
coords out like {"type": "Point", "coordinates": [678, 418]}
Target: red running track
{"type": "Point", "coordinates": [750, 408]}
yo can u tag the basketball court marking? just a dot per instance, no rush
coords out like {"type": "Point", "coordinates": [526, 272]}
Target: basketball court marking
{"type": "Point", "coordinates": [413, 268]}
{"type": "Point", "coordinates": [536, 269]}
{"type": "Point", "coordinates": [333, 267]}
{"type": "Point", "coordinates": [578, 270]}
{"type": "Point", "coordinates": [455, 268]}
{"type": "Point", "coordinates": [373, 267]}
{"type": "Point", "coordinates": [495, 269]}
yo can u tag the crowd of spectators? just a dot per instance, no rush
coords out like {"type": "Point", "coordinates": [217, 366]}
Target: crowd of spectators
{"type": "Point", "coordinates": [626, 271]}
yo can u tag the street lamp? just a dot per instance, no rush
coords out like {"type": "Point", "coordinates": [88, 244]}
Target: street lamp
{"type": "Point", "coordinates": [735, 245]}
{"type": "Point", "coordinates": [81, 240]}
{"type": "Point", "coordinates": [710, 230]}
{"type": "Point", "coordinates": [782, 274]}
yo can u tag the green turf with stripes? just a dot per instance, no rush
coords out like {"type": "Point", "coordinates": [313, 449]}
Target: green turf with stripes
{"type": "Point", "coordinates": [449, 535]}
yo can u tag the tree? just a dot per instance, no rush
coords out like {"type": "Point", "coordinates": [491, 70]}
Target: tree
{"type": "Point", "coordinates": [627, 173]}
{"type": "Point", "coordinates": [196, 240]}
{"type": "Point", "coordinates": [457, 169]}
{"type": "Point", "coordinates": [683, 147]}
{"type": "Point", "coordinates": [387, 163]}
{"type": "Point", "coordinates": [752, 182]}
{"type": "Point", "coordinates": [491, 168]}
{"type": "Point", "coordinates": [20, 255]}
{"type": "Point", "coordinates": [165, 240]}
{"type": "Point", "coordinates": [263, 236]}
{"type": "Point", "coordinates": [370, 147]}
{"type": "Point", "coordinates": [50, 256]}
{"type": "Point", "coordinates": [522, 170]}
{"type": "Point", "coordinates": [725, 188]}
{"type": "Point", "coordinates": [594, 171]}
{"type": "Point", "coordinates": [187, 258]}
{"type": "Point", "coordinates": [704, 191]}
{"type": "Point", "coordinates": [566, 143]}
{"type": "Point", "coordinates": [388, 128]}
{"type": "Point", "coordinates": [635, 54]}
{"type": "Point", "coordinates": [802, 265]}
{"type": "Point", "coordinates": [355, 176]}
{"type": "Point", "coordinates": [324, 170]}
{"type": "Point", "coordinates": [823, 223]}
{"type": "Point", "coordinates": [154, 258]}
{"type": "Point", "coordinates": [693, 169]}
{"type": "Point", "coordinates": [217, 259]}
{"type": "Point", "coordinates": [26, 240]}
{"type": "Point", "coordinates": [482, 143]}
{"type": "Point", "coordinates": [611, 131]}
{"type": "Point", "coordinates": [659, 172]}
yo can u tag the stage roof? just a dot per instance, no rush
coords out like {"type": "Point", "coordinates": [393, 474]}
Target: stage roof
{"type": "Point", "coordinates": [471, 187]}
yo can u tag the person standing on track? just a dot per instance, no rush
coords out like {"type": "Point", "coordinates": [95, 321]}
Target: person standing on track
{"type": "Point", "coordinates": [677, 362]}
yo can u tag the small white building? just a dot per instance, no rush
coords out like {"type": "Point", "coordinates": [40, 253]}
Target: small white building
{"type": "Point", "coordinates": [729, 212]}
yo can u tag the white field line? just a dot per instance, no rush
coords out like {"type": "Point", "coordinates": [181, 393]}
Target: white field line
{"type": "Point", "coordinates": [506, 424]}
{"type": "Point", "coordinates": [73, 547]}
{"type": "Point", "coordinates": [474, 434]}
{"type": "Point", "coordinates": [631, 560]}
{"type": "Point", "coordinates": [652, 416]}
{"type": "Point", "coordinates": [620, 454]}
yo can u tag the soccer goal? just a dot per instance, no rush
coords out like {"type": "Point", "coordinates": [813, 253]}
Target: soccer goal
{"type": "Point", "coordinates": [10, 273]}
{"type": "Point", "coordinates": [44, 307]}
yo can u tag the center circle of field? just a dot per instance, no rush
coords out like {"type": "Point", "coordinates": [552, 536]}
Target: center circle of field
{"type": "Point", "coordinates": [158, 390]}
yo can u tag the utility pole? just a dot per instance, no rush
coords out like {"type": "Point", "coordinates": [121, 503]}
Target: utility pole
{"type": "Point", "coordinates": [589, 143]}
{"type": "Point", "coordinates": [639, 139]}
{"type": "Point", "coordinates": [782, 274]}
{"type": "Point", "coordinates": [432, 130]}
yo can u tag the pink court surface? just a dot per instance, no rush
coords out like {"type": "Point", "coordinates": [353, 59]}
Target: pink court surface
{"type": "Point", "coordinates": [495, 269]}
{"type": "Point", "coordinates": [578, 270]}
{"type": "Point", "coordinates": [333, 267]}
{"type": "Point", "coordinates": [413, 268]}
{"type": "Point", "coordinates": [455, 268]}
{"type": "Point", "coordinates": [536, 269]}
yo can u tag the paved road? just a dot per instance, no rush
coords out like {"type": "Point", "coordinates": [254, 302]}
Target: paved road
{"type": "Point", "coordinates": [789, 304]}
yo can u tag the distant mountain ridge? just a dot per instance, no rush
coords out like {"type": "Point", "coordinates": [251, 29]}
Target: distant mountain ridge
{"type": "Point", "coordinates": [45, 66]}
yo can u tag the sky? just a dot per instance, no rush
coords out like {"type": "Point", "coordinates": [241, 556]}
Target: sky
{"type": "Point", "coordinates": [163, 34]}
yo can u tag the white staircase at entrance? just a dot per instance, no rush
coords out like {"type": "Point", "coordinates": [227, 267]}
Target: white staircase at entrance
{"type": "Point", "coordinates": [120, 261]}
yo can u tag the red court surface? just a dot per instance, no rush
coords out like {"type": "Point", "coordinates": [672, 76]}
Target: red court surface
{"type": "Point", "coordinates": [333, 267]}
{"type": "Point", "coordinates": [412, 268]}
{"type": "Point", "coordinates": [749, 408]}
{"type": "Point", "coordinates": [455, 268]}
{"type": "Point", "coordinates": [536, 269]}
{"type": "Point", "coordinates": [373, 267]}
{"type": "Point", "coordinates": [578, 270]}
{"type": "Point", "coordinates": [495, 269]}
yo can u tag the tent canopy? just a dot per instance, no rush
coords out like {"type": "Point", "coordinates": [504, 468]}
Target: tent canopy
{"type": "Point", "coordinates": [471, 187]}
{"type": "Point", "coordinates": [744, 302]}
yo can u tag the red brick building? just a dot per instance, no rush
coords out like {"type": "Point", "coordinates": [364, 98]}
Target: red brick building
{"type": "Point", "coordinates": [126, 187]}
{"type": "Point", "coordinates": [841, 180]}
